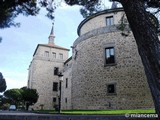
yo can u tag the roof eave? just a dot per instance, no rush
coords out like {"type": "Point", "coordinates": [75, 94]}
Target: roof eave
{"type": "Point", "coordinates": [50, 47]}
{"type": "Point", "coordinates": [95, 15]}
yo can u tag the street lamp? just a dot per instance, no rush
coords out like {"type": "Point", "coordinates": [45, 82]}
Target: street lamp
{"type": "Point", "coordinates": [60, 90]}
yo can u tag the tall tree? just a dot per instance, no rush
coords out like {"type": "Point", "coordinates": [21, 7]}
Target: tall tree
{"type": "Point", "coordinates": [2, 83]}
{"type": "Point", "coordinates": [14, 95]}
{"type": "Point", "coordinates": [25, 95]}
{"type": "Point", "coordinates": [146, 38]}
{"type": "Point", "coordinates": [148, 44]}
{"type": "Point", "coordinates": [10, 9]}
{"type": "Point", "coordinates": [29, 96]}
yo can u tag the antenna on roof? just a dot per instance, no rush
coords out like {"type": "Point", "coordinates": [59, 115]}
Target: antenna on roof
{"type": "Point", "coordinates": [114, 5]}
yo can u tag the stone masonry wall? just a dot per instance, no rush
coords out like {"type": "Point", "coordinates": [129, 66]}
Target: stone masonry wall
{"type": "Point", "coordinates": [66, 85]}
{"type": "Point", "coordinates": [42, 75]}
{"type": "Point", "coordinates": [90, 76]}
{"type": "Point", "coordinates": [100, 21]}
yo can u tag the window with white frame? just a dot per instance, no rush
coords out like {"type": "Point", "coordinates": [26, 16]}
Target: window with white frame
{"type": "Point", "coordinates": [46, 53]}
{"type": "Point", "coordinates": [109, 21]}
{"type": "Point", "coordinates": [61, 56]}
{"type": "Point", "coordinates": [53, 54]}
{"type": "Point", "coordinates": [109, 55]}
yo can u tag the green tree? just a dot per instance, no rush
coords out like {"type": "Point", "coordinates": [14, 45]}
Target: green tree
{"type": "Point", "coordinates": [2, 83]}
{"type": "Point", "coordinates": [4, 102]}
{"type": "Point", "coordinates": [10, 9]}
{"type": "Point", "coordinates": [29, 96]}
{"type": "Point", "coordinates": [24, 96]}
{"type": "Point", "coordinates": [14, 95]}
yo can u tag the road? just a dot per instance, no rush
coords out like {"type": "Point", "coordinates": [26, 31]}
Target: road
{"type": "Point", "coordinates": [19, 115]}
{"type": "Point", "coordinates": [6, 112]}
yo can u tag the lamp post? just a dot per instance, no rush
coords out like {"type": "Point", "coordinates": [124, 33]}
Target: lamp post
{"type": "Point", "coordinates": [60, 90]}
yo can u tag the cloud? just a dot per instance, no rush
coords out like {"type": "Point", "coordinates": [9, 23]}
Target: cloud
{"type": "Point", "coordinates": [15, 79]}
{"type": "Point", "coordinates": [12, 83]}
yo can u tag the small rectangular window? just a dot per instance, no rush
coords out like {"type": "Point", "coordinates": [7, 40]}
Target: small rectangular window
{"type": "Point", "coordinates": [61, 56]}
{"type": "Point", "coordinates": [55, 86]}
{"type": "Point", "coordinates": [56, 70]}
{"type": "Point", "coordinates": [53, 54]}
{"type": "Point", "coordinates": [109, 21]}
{"type": "Point", "coordinates": [66, 100]}
{"type": "Point", "coordinates": [109, 55]}
{"type": "Point", "coordinates": [54, 99]}
{"type": "Point", "coordinates": [46, 53]}
{"type": "Point", "coordinates": [66, 82]}
{"type": "Point", "coordinates": [111, 88]}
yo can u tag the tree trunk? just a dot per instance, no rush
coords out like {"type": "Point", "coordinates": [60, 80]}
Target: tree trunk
{"type": "Point", "coordinates": [27, 106]}
{"type": "Point", "coordinates": [148, 44]}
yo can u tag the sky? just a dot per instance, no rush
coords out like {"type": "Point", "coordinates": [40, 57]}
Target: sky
{"type": "Point", "coordinates": [18, 44]}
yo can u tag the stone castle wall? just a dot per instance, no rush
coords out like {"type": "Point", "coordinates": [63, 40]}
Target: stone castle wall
{"type": "Point", "coordinates": [66, 85]}
{"type": "Point", "coordinates": [86, 74]}
{"type": "Point", "coordinates": [90, 76]}
{"type": "Point", "coordinates": [98, 22]}
{"type": "Point", "coordinates": [42, 75]}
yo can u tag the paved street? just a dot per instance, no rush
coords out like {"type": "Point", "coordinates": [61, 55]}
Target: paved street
{"type": "Point", "coordinates": [19, 115]}
{"type": "Point", "coordinates": [6, 112]}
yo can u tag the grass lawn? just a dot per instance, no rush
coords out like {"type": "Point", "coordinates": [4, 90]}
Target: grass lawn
{"type": "Point", "coordinates": [103, 112]}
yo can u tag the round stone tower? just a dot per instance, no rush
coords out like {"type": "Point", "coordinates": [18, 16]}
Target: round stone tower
{"type": "Point", "coordinates": [107, 72]}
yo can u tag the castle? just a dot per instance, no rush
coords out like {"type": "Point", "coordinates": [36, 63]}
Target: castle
{"type": "Point", "coordinates": [104, 72]}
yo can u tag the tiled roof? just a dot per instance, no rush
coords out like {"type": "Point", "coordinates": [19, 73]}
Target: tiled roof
{"type": "Point", "coordinates": [51, 46]}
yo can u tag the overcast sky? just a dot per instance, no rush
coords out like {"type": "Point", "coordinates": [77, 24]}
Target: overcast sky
{"type": "Point", "coordinates": [19, 44]}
